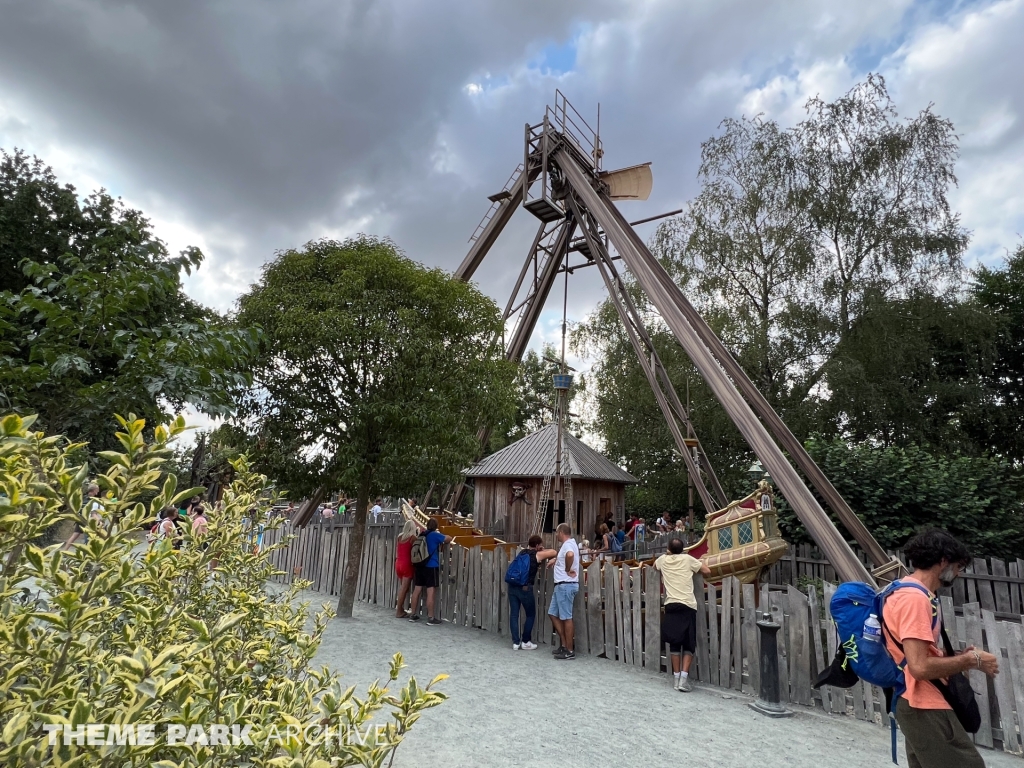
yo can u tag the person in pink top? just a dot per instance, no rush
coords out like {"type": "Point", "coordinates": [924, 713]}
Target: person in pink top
{"type": "Point", "coordinates": [403, 565]}
{"type": "Point", "coordinates": [913, 624]}
{"type": "Point", "coordinates": [199, 521]}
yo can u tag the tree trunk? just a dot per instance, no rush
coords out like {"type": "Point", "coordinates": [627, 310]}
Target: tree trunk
{"type": "Point", "coordinates": [355, 547]}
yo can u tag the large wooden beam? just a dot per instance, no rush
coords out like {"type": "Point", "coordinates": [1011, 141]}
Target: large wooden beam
{"type": "Point", "coordinates": [667, 298]}
{"type": "Point", "coordinates": [853, 524]}
{"type": "Point", "coordinates": [643, 346]}
{"type": "Point", "coordinates": [494, 227]}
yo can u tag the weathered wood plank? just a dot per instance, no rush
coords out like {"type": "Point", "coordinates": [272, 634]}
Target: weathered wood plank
{"type": "Point", "coordinates": [750, 644]}
{"type": "Point", "coordinates": [799, 643]}
{"type": "Point", "coordinates": [1014, 589]}
{"type": "Point", "coordinates": [1001, 588]}
{"type": "Point", "coordinates": [652, 616]}
{"type": "Point", "coordinates": [836, 696]}
{"type": "Point", "coordinates": [611, 577]}
{"type": "Point", "coordinates": [985, 593]}
{"type": "Point", "coordinates": [979, 682]}
{"type": "Point", "coordinates": [638, 626]}
{"type": "Point", "coordinates": [595, 623]}
{"type": "Point", "coordinates": [500, 566]}
{"type": "Point", "coordinates": [737, 635]}
{"type": "Point", "coordinates": [1014, 634]}
{"type": "Point", "coordinates": [818, 660]}
{"type": "Point", "coordinates": [714, 651]}
{"type": "Point", "coordinates": [1003, 682]}
{"type": "Point", "coordinates": [703, 649]}
{"type": "Point", "coordinates": [381, 574]}
{"type": "Point", "coordinates": [626, 614]}
{"type": "Point", "coordinates": [458, 598]}
{"type": "Point", "coordinates": [725, 635]}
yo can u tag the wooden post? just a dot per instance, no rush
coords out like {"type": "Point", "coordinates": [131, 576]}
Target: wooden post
{"type": "Point", "coordinates": [979, 681]}
{"type": "Point", "coordinates": [714, 667]}
{"type": "Point", "coordinates": [703, 654]}
{"type": "Point", "coordinates": [652, 616]}
{"type": "Point", "coordinates": [750, 648]}
{"type": "Point", "coordinates": [594, 622]}
{"type": "Point", "coordinates": [1003, 682]}
{"type": "Point", "coordinates": [725, 634]}
{"type": "Point", "coordinates": [799, 644]}
{"type": "Point", "coordinates": [625, 617]}
{"type": "Point", "coordinates": [611, 578]}
{"type": "Point", "coordinates": [638, 627]}
{"type": "Point", "coordinates": [1015, 656]}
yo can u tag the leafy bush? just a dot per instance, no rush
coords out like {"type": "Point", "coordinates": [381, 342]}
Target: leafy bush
{"type": "Point", "coordinates": [111, 632]}
{"type": "Point", "coordinates": [897, 491]}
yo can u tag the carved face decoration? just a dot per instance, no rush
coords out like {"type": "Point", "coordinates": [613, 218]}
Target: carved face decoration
{"type": "Point", "coordinates": [517, 491]}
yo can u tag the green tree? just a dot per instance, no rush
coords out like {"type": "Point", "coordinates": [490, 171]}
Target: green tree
{"type": "Point", "coordinates": [796, 232]}
{"type": "Point", "coordinates": [1001, 292]}
{"type": "Point", "coordinates": [624, 412]}
{"type": "Point", "coordinates": [375, 373]}
{"type": "Point", "coordinates": [535, 398]}
{"type": "Point", "coordinates": [104, 633]}
{"type": "Point", "coordinates": [94, 321]}
{"type": "Point", "coordinates": [914, 371]}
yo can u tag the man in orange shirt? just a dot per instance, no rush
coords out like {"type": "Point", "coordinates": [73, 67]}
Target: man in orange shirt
{"type": "Point", "coordinates": [934, 736]}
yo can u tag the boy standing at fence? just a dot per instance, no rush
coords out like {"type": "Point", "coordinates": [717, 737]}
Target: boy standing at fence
{"type": "Point", "coordinates": [428, 574]}
{"type": "Point", "coordinates": [679, 622]}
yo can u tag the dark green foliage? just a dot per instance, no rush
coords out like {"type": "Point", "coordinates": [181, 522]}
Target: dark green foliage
{"type": "Point", "coordinates": [913, 371]}
{"type": "Point", "coordinates": [93, 318]}
{"type": "Point", "coordinates": [535, 398]}
{"type": "Point", "coordinates": [1000, 292]}
{"type": "Point", "coordinates": [370, 363]}
{"type": "Point", "coordinates": [897, 491]}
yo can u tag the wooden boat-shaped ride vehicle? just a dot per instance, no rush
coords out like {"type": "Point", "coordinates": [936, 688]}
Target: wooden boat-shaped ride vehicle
{"type": "Point", "coordinates": [459, 528]}
{"type": "Point", "coordinates": [742, 540]}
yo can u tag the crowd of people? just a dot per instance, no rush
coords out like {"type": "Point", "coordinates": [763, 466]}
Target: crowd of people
{"type": "Point", "coordinates": [172, 521]}
{"type": "Point", "coordinates": [934, 736]}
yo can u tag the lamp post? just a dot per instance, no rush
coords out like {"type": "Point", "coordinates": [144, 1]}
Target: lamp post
{"type": "Point", "coordinates": [757, 473]}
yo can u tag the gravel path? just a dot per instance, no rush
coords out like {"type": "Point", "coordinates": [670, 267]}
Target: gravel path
{"type": "Point", "coordinates": [523, 708]}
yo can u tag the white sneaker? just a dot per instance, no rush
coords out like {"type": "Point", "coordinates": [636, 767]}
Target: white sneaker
{"type": "Point", "coordinates": [676, 682]}
{"type": "Point", "coordinates": [515, 646]}
{"type": "Point", "coordinates": [528, 646]}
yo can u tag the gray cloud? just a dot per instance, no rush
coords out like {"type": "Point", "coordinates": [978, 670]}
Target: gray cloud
{"type": "Point", "coordinates": [249, 126]}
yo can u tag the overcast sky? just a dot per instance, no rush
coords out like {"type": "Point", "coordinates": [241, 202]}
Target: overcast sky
{"type": "Point", "coordinates": [249, 126]}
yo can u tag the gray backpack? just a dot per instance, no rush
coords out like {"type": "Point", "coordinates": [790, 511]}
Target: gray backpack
{"type": "Point", "coordinates": [420, 553]}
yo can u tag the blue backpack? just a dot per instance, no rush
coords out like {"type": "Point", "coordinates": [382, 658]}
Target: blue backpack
{"type": "Point", "coordinates": [518, 572]}
{"type": "Point", "coordinates": [615, 544]}
{"type": "Point", "coordinates": [851, 606]}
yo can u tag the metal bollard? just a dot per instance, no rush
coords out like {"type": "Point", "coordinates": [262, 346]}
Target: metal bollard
{"type": "Point", "coordinates": [768, 698]}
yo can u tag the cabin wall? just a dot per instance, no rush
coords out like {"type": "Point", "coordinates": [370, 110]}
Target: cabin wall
{"type": "Point", "coordinates": [491, 505]}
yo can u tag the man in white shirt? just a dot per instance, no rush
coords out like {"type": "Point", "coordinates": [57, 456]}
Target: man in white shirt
{"type": "Point", "coordinates": [376, 510]}
{"type": "Point", "coordinates": [679, 623]}
{"type": "Point", "coordinates": [567, 584]}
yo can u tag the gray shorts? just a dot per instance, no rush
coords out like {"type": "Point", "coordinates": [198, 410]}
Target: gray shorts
{"type": "Point", "coordinates": [562, 599]}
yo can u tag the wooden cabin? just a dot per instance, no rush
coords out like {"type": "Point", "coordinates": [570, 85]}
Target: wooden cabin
{"type": "Point", "coordinates": [507, 486]}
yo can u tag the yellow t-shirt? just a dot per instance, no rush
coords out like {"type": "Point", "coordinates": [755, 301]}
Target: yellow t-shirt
{"type": "Point", "coordinates": [677, 576]}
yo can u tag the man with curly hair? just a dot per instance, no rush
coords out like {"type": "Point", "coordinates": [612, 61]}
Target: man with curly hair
{"type": "Point", "coordinates": [913, 624]}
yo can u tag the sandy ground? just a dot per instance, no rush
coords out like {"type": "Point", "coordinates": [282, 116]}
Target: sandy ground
{"type": "Point", "coordinates": [523, 708]}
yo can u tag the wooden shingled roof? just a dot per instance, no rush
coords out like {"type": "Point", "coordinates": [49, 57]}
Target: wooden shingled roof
{"type": "Point", "coordinates": [534, 456]}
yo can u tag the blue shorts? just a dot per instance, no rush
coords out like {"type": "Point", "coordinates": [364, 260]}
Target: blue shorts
{"type": "Point", "coordinates": [562, 599]}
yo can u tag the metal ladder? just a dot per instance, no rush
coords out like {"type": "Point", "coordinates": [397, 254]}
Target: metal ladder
{"type": "Point", "coordinates": [496, 201]}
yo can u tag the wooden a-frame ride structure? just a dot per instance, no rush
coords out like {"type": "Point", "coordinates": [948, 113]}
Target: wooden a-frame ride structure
{"type": "Point", "coordinates": [561, 182]}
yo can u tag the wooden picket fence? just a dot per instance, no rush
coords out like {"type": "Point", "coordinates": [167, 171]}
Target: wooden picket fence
{"type": "Point", "coordinates": [618, 614]}
{"type": "Point", "coordinates": [997, 585]}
